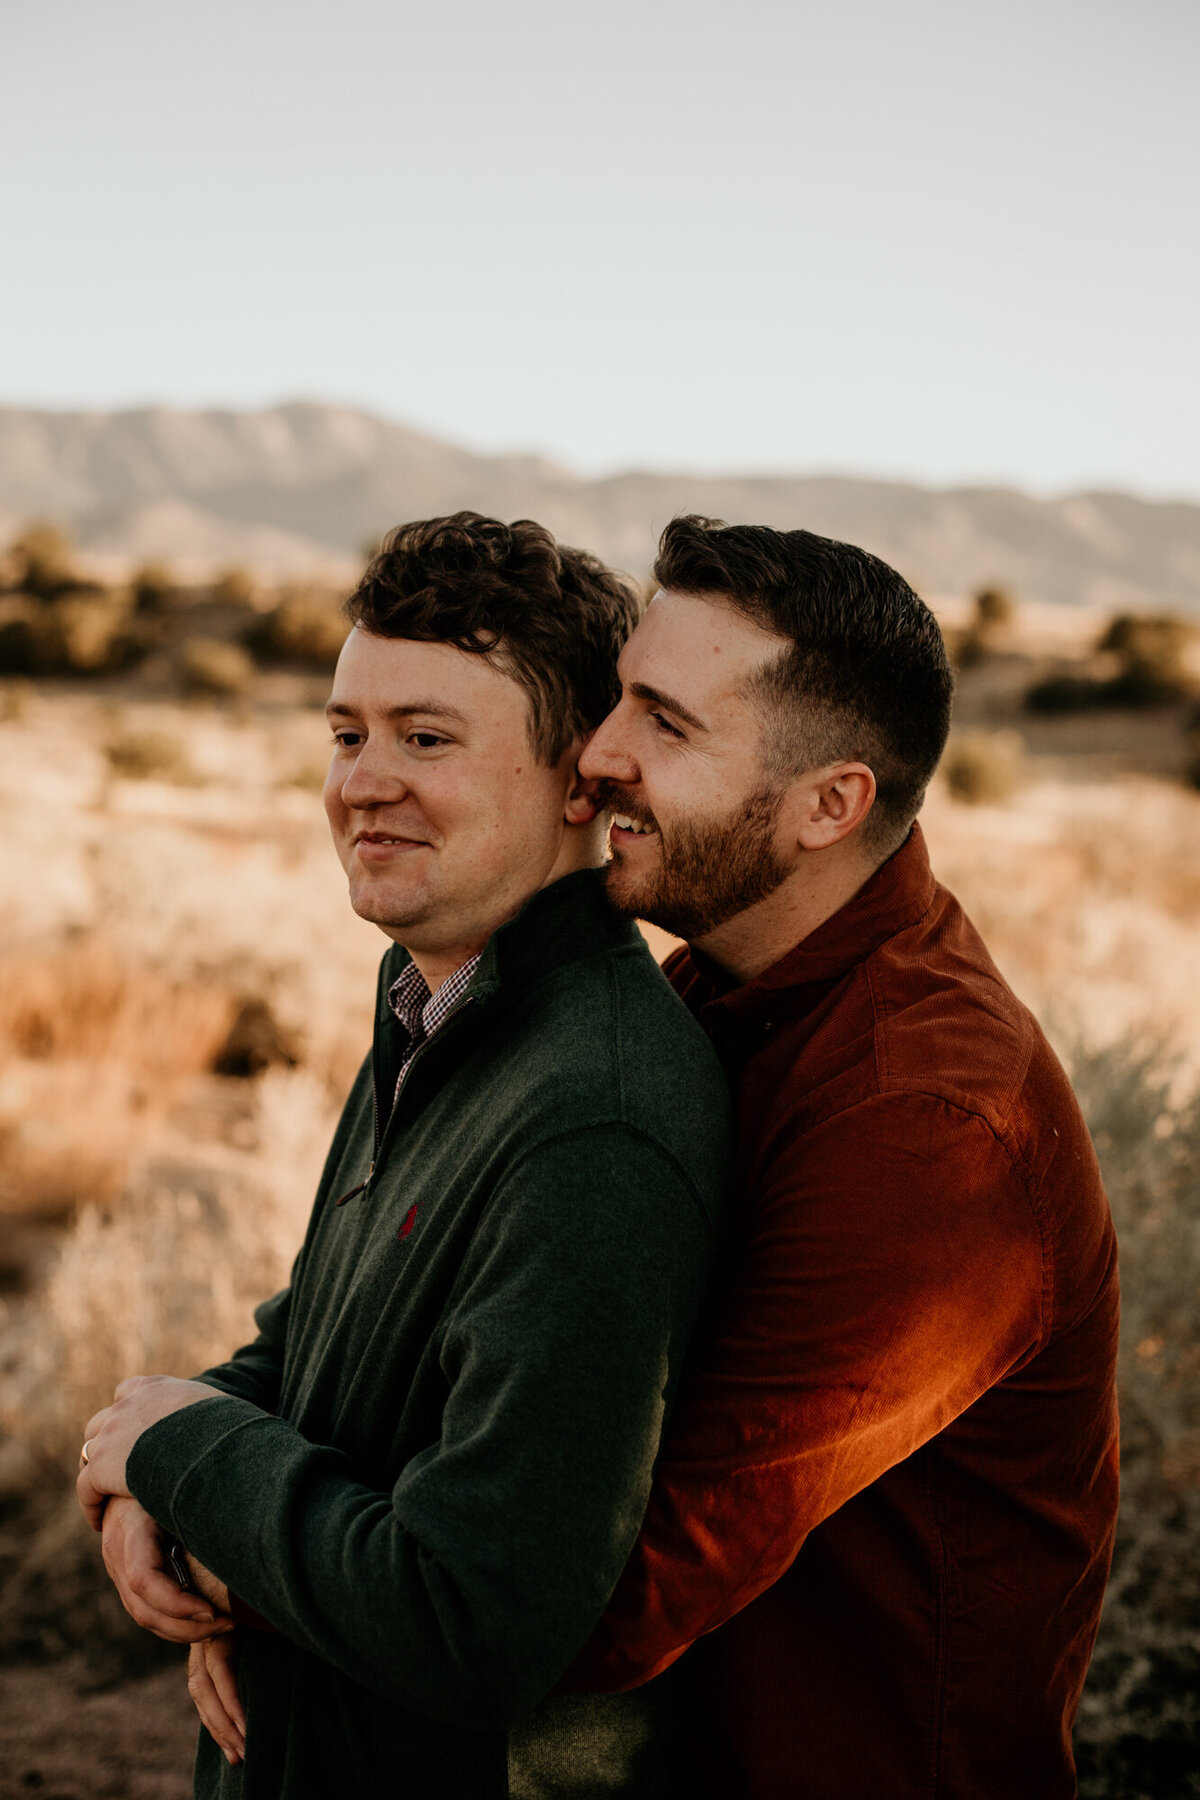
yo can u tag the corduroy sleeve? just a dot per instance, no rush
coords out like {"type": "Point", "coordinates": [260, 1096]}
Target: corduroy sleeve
{"type": "Point", "coordinates": [465, 1590]}
{"type": "Point", "coordinates": [891, 1273]}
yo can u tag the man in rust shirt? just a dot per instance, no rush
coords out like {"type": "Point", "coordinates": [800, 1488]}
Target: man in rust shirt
{"type": "Point", "coordinates": [884, 1515]}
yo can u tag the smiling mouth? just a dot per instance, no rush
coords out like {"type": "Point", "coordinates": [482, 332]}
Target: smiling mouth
{"type": "Point", "coordinates": [370, 840]}
{"type": "Point", "coordinates": [639, 827]}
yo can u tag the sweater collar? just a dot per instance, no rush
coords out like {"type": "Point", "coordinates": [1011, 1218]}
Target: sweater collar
{"type": "Point", "coordinates": [896, 896]}
{"type": "Point", "coordinates": [563, 923]}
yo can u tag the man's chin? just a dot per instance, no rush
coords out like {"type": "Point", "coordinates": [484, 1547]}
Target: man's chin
{"type": "Point", "coordinates": [636, 898]}
{"type": "Point", "coordinates": [390, 912]}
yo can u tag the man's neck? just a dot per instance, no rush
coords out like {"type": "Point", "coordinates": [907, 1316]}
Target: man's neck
{"type": "Point", "coordinates": [582, 847]}
{"type": "Point", "coordinates": [817, 889]}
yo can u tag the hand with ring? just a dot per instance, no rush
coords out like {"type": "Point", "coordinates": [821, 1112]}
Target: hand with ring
{"type": "Point", "coordinates": [111, 1434]}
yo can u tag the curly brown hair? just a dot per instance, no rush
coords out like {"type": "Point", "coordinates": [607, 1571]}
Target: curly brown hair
{"type": "Point", "coordinates": [551, 617]}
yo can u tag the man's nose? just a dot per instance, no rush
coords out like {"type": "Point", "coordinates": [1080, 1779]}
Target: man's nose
{"type": "Point", "coordinates": [374, 779]}
{"type": "Point", "coordinates": [606, 755]}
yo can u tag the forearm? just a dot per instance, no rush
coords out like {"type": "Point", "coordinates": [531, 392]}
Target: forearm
{"type": "Point", "coordinates": [344, 1572]}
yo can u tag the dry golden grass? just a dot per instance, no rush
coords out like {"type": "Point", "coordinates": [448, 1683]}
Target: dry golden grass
{"type": "Point", "coordinates": [92, 1053]}
{"type": "Point", "coordinates": [165, 1281]}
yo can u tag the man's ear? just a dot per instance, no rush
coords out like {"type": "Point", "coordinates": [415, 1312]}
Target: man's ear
{"type": "Point", "coordinates": [583, 803]}
{"type": "Point", "coordinates": [831, 803]}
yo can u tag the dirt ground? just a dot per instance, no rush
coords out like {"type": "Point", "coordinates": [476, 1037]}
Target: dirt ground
{"type": "Point", "coordinates": [62, 1738]}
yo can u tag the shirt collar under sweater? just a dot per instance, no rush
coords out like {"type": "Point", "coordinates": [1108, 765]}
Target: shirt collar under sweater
{"type": "Point", "coordinates": [420, 1013]}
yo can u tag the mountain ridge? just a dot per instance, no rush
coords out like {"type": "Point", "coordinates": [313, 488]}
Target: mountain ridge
{"type": "Point", "coordinates": [301, 487]}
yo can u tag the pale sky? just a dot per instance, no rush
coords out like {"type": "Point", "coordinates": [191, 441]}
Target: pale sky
{"type": "Point", "coordinates": [950, 239]}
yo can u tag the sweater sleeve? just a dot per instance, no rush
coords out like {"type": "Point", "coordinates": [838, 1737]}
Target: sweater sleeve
{"type": "Point", "coordinates": [890, 1274]}
{"type": "Point", "coordinates": [255, 1372]}
{"type": "Point", "coordinates": [465, 1591]}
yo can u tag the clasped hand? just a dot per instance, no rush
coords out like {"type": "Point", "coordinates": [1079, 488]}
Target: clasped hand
{"type": "Point", "coordinates": [110, 1434]}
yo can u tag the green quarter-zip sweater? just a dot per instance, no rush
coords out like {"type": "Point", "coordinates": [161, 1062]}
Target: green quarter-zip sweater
{"type": "Point", "coordinates": [429, 1469]}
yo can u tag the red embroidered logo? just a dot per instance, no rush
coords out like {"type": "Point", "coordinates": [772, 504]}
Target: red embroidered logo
{"type": "Point", "coordinates": [410, 1219]}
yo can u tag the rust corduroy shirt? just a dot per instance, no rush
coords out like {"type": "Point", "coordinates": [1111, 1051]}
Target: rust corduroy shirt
{"type": "Point", "coordinates": [889, 1487]}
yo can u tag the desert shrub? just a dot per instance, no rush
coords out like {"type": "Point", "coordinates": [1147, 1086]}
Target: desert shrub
{"type": "Point", "coordinates": [18, 636]}
{"type": "Point", "coordinates": [213, 666]}
{"type": "Point", "coordinates": [994, 609]}
{"type": "Point", "coordinates": [1192, 734]}
{"type": "Point", "coordinates": [1143, 684]}
{"type": "Point", "coordinates": [256, 1042]}
{"type": "Point", "coordinates": [85, 634]}
{"type": "Point", "coordinates": [42, 562]}
{"type": "Point", "coordinates": [152, 587]}
{"type": "Point", "coordinates": [1064, 693]}
{"type": "Point", "coordinates": [83, 631]}
{"type": "Point", "coordinates": [967, 647]}
{"type": "Point", "coordinates": [1151, 670]}
{"type": "Point", "coordinates": [1150, 649]}
{"type": "Point", "coordinates": [1158, 639]}
{"type": "Point", "coordinates": [1138, 1732]}
{"type": "Point", "coordinates": [236, 587]}
{"type": "Point", "coordinates": [148, 756]}
{"type": "Point", "coordinates": [307, 627]}
{"type": "Point", "coordinates": [983, 766]}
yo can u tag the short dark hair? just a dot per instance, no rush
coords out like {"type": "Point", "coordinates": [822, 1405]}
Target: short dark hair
{"type": "Point", "coordinates": [553, 618]}
{"type": "Point", "coordinates": [865, 676]}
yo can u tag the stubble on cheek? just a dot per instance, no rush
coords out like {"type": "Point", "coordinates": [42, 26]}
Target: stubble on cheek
{"type": "Point", "coordinates": [706, 872]}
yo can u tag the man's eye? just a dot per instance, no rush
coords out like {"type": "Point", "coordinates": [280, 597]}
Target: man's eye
{"type": "Point", "coordinates": [347, 740]}
{"type": "Point", "coordinates": [666, 725]}
{"type": "Point", "coordinates": [426, 740]}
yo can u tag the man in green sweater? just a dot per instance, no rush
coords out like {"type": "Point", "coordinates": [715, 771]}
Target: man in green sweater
{"type": "Point", "coordinates": [422, 1479]}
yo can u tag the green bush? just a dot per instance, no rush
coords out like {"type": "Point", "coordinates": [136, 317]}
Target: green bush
{"type": "Point", "coordinates": [213, 666]}
{"type": "Point", "coordinates": [983, 766]}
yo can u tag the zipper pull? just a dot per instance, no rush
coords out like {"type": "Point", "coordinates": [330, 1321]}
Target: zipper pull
{"type": "Point", "coordinates": [361, 1188]}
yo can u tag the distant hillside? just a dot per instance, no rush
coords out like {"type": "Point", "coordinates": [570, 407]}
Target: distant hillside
{"type": "Point", "coordinates": [303, 487]}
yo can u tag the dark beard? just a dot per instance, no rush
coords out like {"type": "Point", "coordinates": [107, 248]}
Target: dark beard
{"type": "Point", "coordinates": [708, 871]}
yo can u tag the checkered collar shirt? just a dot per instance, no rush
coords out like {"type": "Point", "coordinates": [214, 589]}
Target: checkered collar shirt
{"type": "Point", "coordinates": [419, 1013]}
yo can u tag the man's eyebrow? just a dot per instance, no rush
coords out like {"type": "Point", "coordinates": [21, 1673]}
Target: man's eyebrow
{"type": "Point", "coordinates": [436, 709]}
{"type": "Point", "coordinates": [641, 691]}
